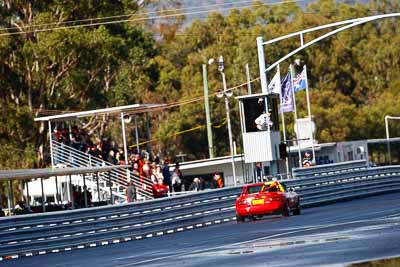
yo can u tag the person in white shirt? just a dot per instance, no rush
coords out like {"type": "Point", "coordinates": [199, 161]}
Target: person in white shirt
{"type": "Point", "coordinates": [263, 122]}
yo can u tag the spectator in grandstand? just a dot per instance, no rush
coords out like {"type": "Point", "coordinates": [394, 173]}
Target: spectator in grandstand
{"type": "Point", "coordinates": [159, 189]}
{"type": "Point", "coordinates": [176, 180]}
{"type": "Point", "coordinates": [135, 170]}
{"type": "Point", "coordinates": [196, 185]}
{"type": "Point", "coordinates": [139, 161]}
{"type": "Point", "coordinates": [131, 192]}
{"type": "Point", "coordinates": [21, 208]}
{"type": "Point", "coordinates": [307, 160]}
{"type": "Point", "coordinates": [94, 151]}
{"type": "Point", "coordinates": [75, 143]}
{"type": "Point", "coordinates": [178, 171]}
{"type": "Point", "coordinates": [88, 196]}
{"type": "Point", "coordinates": [78, 197]}
{"type": "Point", "coordinates": [119, 156]}
{"type": "Point", "coordinates": [157, 174]}
{"type": "Point", "coordinates": [65, 135]}
{"type": "Point", "coordinates": [258, 171]}
{"type": "Point", "coordinates": [111, 158]}
{"type": "Point", "coordinates": [217, 181]}
{"type": "Point", "coordinates": [147, 169]}
{"type": "Point", "coordinates": [105, 147]}
{"type": "Point", "coordinates": [167, 174]}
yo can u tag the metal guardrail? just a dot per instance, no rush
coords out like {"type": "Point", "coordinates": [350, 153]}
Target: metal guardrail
{"type": "Point", "coordinates": [329, 168]}
{"type": "Point", "coordinates": [63, 231]}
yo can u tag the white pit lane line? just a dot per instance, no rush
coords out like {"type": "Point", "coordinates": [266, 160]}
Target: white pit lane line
{"type": "Point", "coordinates": [302, 229]}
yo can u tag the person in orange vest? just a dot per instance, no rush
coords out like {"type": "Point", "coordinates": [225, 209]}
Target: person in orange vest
{"type": "Point", "coordinates": [217, 181]}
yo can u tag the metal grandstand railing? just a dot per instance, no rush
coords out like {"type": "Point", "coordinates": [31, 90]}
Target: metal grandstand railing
{"type": "Point", "coordinates": [64, 155]}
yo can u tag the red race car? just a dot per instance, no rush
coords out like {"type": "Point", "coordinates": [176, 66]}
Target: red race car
{"type": "Point", "coordinates": [266, 198]}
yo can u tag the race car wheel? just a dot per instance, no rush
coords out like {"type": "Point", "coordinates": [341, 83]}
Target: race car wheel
{"type": "Point", "coordinates": [286, 210]}
{"type": "Point", "coordinates": [239, 219]}
{"type": "Point", "coordinates": [297, 211]}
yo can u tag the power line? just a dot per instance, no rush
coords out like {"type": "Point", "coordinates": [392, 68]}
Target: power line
{"type": "Point", "coordinates": [134, 14]}
{"type": "Point", "coordinates": [137, 19]}
{"type": "Point", "coordinates": [168, 105]}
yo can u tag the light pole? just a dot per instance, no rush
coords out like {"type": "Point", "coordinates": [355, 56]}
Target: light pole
{"type": "Point", "coordinates": [225, 93]}
{"type": "Point", "coordinates": [388, 138]}
{"type": "Point", "coordinates": [207, 109]}
{"type": "Point", "coordinates": [387, 118]}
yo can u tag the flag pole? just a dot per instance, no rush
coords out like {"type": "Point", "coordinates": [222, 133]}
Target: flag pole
{"type": "Point", "coordinates": [309, 112]}
{"type": "Point", "coordinates": [295, 113]}
{"type": "Point", "coordinates": [283, 124]}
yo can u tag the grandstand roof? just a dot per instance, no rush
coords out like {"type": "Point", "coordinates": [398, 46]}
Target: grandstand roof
{"type": "Point", "coordinates": [135, 108]}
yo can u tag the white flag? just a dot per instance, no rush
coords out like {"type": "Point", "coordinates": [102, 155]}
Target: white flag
{"type": "Point", "coordinates": [274, 87]}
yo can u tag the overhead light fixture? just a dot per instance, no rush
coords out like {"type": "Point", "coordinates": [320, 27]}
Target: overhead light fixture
{"type": "Point", "coordinates": [220, 94]}
{"type": "Point", "coordinates": [229, 93]}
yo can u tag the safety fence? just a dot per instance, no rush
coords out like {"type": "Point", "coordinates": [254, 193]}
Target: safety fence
{"type": "Point", "coordinates": [64, 231]}
{"type": "Point", "coordinates": [64, 155]}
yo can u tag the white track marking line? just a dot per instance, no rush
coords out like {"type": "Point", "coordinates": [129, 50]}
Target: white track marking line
{"type": "Point", "coordinates": [311, 228]}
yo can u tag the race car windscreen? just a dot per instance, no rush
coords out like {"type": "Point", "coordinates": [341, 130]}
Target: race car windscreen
{"type": "Point", "coordinates": [253, 189]}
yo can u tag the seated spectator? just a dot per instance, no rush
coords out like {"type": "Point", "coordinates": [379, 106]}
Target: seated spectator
{"type": "Point", "coordinates": [159, 189]}
{"type": "Point", "coordinates": [20, 208]}
{"type": "Point", "coordinates": [217, 181]}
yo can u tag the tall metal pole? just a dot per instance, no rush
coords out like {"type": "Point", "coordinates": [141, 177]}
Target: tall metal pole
{"type": "Point", "coordinates": [85, 190]}
{"type": "Point", "coordinates": [28, 202]}
{"type": "Point", "coordinates": [148, 133]}
{"type": "Point", "coordinates": [51, 145]}
{"type": "Point", "coordinates": [137, 135]}
{"type": "Point", "coordinates": [57, 193]}
{"type": "Point", "coordinates": [309, 112]}
{"type": "Point", "coordinates": [124, 138]}
{"type": "Point", "coordinates": [208, 117]}
{"type": "Point", "coordinates": [388, 138]}
{"type": "Point", "coordinates": [11, 193]}
{"type": "Point", "coordinates": [111, 192]}
{"type": "Point", "coordinates": [125, 146]}
{"type": "Point", "coordinates": [248, 79]}
{"type": "Point", "coordinates": [228, 118]}
{"type": "Point", "coordinates": [295, 114]}
{"type": "Point", "coordinates": [98, 186]}
{"type": "Point", "coordinates": [261, 65]}
{"type": "Point", "coordinates": [9, 200]}
{"type": "Point", "coordinates": [71, 192]}
{"type": "Point", "coordinates": [43, 200]}
{"type": "Point", "coordinates": [284, 130]}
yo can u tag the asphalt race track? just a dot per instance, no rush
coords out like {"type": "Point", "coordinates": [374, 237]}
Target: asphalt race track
{"type": "Point", "coordinates": [332, 235]}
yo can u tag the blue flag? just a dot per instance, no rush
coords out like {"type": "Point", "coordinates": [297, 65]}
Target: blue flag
{"type": "Point", "coordinates": [299, 83]}
{"type": "Point", "coordinates": [287, 94]}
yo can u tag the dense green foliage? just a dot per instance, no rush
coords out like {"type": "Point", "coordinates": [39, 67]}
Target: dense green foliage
{"type": "Point", "coordinates": [353, 75]}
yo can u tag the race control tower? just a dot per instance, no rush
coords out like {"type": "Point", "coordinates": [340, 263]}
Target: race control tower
{"type": "Point", "coordinates": [259, 119]}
